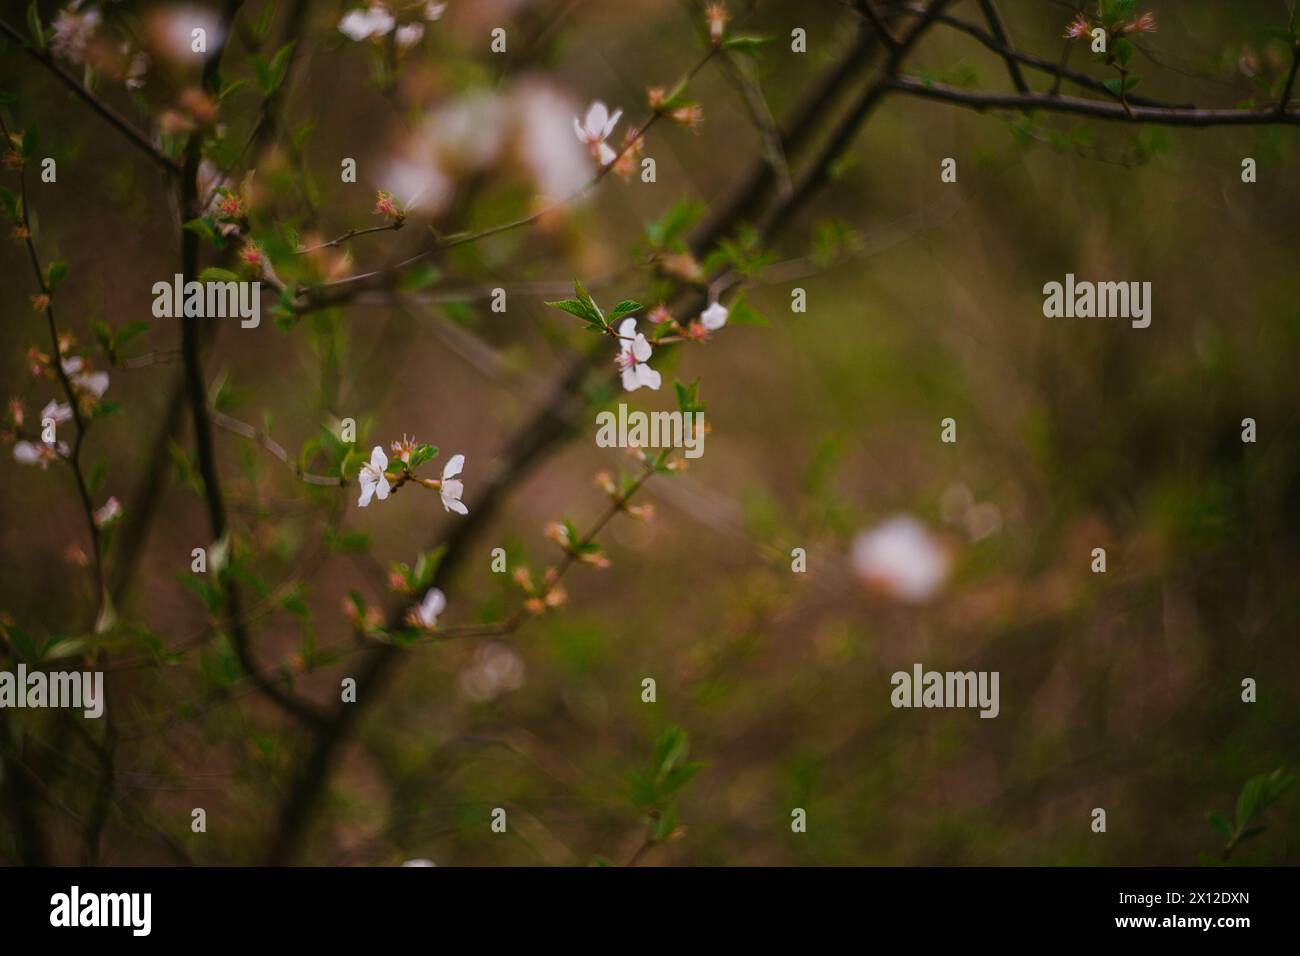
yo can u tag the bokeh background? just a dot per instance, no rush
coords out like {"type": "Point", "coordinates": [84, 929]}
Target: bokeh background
{"type": "Point", "coordinates": [1119, 690]}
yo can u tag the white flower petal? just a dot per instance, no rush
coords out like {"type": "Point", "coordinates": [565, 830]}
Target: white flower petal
{"type": "Point", "coordinates": [453, 467]}
{"type": "Point", "coordinates": [378, 460]}
{"type": "Point", "coordinates": [27, 453]}
{"type": "Point", "coordinates": [641, 348]}
{"type": "Point", "coordinates": [610, 124]}
{"type": "Point", "coordinates": [648, 377]}
{"type": "Point", "coordinates": [631, 381]}
{"type": "Point", "coordinates": [596, 117]}
{"type": "Point", "coordinates": [714, 317]}
{"type": "Point", "coordinates": [382, 488]}
{"type": "Point", "coordinates": [367, 490]}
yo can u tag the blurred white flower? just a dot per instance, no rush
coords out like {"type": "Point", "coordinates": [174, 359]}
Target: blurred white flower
{"type": "Point", "coordinates": [633, 355]}
{"type": "Point", "coordinates": [172, 30]}
{"type": "Point", "coordinates": [59, 412]}
{"type": "Point", "coordinates": [34, 453]}
{"type": "Point", "coordinates": [595, 129]}
{"type": "Point", "coordinates": [426, 613]}
{"type": "Point", "coordinates": [419, 862]}
{"type": "Point", "coordinates": [434, 11]}
{"type": "Point", "coordinates": [109, 512]}
{"type": "Point", "coordinates": [135, 69]}
{"type": "Point", "coordinates": [551, 157]}
{"type": "Point", "coordinates": [408, 35]}
{"type": "Point", "coordinates": [372, 478]}
{"type": "Point", "coordinates": [901, 558]}
{"type": "Point", "coordinates": [72, 30]}
{"type": "Point", "coordinates": [96, 383]}
{"type": "Point", "coordinates": [496, 670]}
{"type": "Point", "coordinates": [714, 317]}
{"type": "Point", "coordinates": [366, 22]}
{"type": "Point", "coordinates": [450, 490]}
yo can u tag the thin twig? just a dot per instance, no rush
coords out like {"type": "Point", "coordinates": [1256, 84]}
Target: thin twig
{"type": "Point", "coordinates": [99, 106]}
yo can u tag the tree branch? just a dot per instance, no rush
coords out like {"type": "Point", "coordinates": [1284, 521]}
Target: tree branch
{"type": "Point", "coordinates": [109, 114]}
{"type": "Point", "coordinates": [1158, 115]}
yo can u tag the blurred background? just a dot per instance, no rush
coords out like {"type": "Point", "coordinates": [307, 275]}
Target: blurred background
{"type": "Point", "coordinates": [1119, 690]}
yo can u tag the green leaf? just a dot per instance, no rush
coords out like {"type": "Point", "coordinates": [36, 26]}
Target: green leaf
{"type": "Point", "coordinates": [203, 227]}
{"type": "Point", "coordinates": [95, 479]}
{"type": "Point", "coordinates": [54, 276]}
{"type": "Point", "coordinates": [688, 396]}
{"type": "Point", "coordinates": [421, 278]}
{"type": "Point", "coordinates": [31, 140]}
{"type": "Point", "coordinates": [1220, 824]}
{"type": "Point", "coordinates": [217, 275]}
{"type": "Point", "coordinates": [421, 454]}
{"type": "Point", "coordinates": [745, 43]}
{"type": "Point", "coordinates": [127, 332]}
{"type": "Point", "coordinates": [34, 26]}
{"type": "Point", "coordinates": [742, 313]}
{"type": "Point", "coordinates": [580, 309]}
{"type": "Point", "coordinates": [626, 307]}
{"type": "Point", "coordinates": [1252, 799]}
{"type": "Point", "coordinates": [1123, 51]}
{"type": "Point", "coordinates": [9, 204]}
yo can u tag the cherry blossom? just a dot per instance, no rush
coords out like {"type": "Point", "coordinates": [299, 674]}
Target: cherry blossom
{"type": "Point", "coordinates": [72, 30]}
{"type": "Point", "coordinates": [39, 453]}
{"type": "Point", "coordinates": [902, 559]}
{"type": "Point", "coordinates": [109, 512]}
{"type": "Point", "coordinates": [408, 35]}
{"type": "Point", "coordinates": [633, 355]}
{"type": "Point", "coordinates": [84, 380]}
{"type": "Point", "coordinates": [426, 612]}
{"type": "Point", "coordinates": [366, 23]}
{"type": "Point", "coordinates": [714, 317]}
{"type": "Point", "coordinates": [372, 478]}
{"type": "Point", "coordinates": [595, 129]}
{"type": "Point", "coordinates": [57, 412]}
{"type": "Point", "coordinates": [451, 489]}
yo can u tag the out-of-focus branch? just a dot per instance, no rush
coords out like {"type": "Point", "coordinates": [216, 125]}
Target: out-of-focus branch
{"type": "Point", "coordinates": [109, 114]}
{"type": "Point", "coordinates": [196, 391]}
{"type": "Point", "coordinates": [56, 359]}
{"type": "Point", "coordinates": [1157, 115]}
{"type": "Point", "coordinates": [999, 31]}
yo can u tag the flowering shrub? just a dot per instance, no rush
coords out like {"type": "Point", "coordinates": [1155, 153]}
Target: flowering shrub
{"type": "Point", "coordinates": [209, 509]}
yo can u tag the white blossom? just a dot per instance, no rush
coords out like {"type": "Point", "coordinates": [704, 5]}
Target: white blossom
{"type": "Point", "coordinates": [39, 453]}
{"type": "Point", "coordinates": [364, 23]}
{"type": "Point", "coordinates": [714, 317]}
{"type": "Point", "coordinates": [372, 478]}
{"type": "Point", "coordinates": [434, 603]}
{"type": "Point", "coordinates": [408, 35]}
{"type": "Point", "coordinates": [451, 489]}
{"type": "Point", "coordinates": [96, 383]}
{"type": "Point", "coordinates": [109, 512]}
{"type": "Point", "coordinates": [901, 558]}
{"type": "Point", "coordinates": [72, 30]}
{"type": "Point", "coordinates": [596, 128]}
{"type": "Point", "coordinates": [633, 355]}
{"type": "Point", "coordinates": [57, 412]}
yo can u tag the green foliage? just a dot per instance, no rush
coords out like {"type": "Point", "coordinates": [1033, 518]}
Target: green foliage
{"type": "Point", "coordinates": [654, 791]}
{"type": "Point", "coordinates": [1258, 794]}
